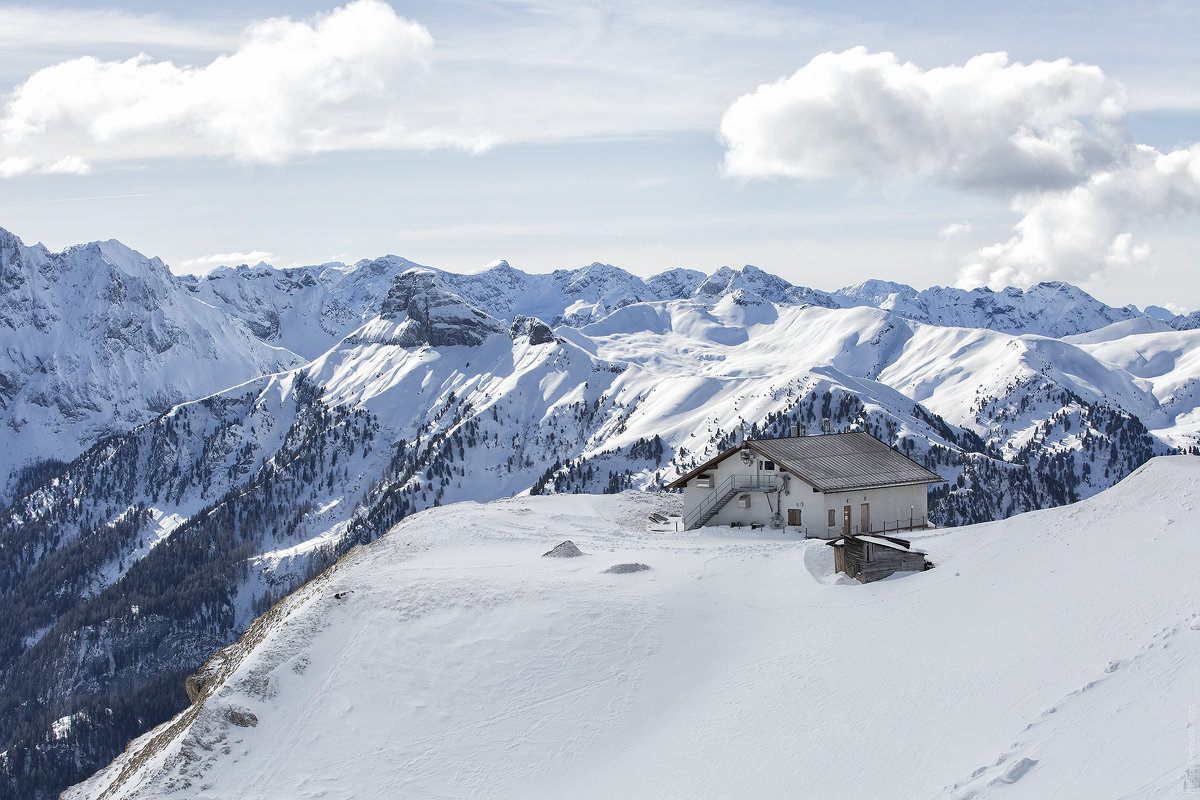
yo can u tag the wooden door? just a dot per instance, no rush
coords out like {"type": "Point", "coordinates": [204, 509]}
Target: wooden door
{"type": "Point", "coordinates": [864, 518]}
{"type": "Point", "coordinates": [846, 521]}
{"type": "Point", "coordinates": [794, 517]}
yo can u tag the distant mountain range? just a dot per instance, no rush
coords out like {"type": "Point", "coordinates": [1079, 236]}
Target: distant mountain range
{"type": "Point", "coordinates": [180, 452]}
{"type": "Point", "coordinates": [103, 339]}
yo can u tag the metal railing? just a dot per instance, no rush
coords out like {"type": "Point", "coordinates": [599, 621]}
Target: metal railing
{"type": "Point", "coordinates": [911, 524]}
{"type": "Point", "coordinates": [721, 495]}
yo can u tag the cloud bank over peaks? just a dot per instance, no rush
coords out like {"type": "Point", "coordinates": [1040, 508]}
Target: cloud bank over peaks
{"type": "Point", "coordinates": [1051, 136]}
{"type": "Point", "coordinates": [336, 81]}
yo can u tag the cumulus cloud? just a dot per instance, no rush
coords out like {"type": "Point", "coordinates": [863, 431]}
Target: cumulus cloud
{"type": "Point", "coordinates": [336, 81]}
{"type": "Point", "coordinates": [1050, 135]}
{"type": "Point", "coordinates": [988, 124]}
{"type": "Point", "coordinates": [1082, 233]}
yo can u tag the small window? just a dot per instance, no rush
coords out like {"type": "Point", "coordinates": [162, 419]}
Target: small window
{"type": "Point", "coordinates": [766, 465]}
{"type": "Point", "coordinates": [704, 481]}
{"type": "Point", "coordinates": [832, 518]}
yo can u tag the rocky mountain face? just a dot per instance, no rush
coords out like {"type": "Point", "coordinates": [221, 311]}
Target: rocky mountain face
{"type": "Point", "coordinates": [99, 339]}
{"type": "Point", "coordinates": [431, 316]}
{"type": "Point", "coordinates": [306, 309]}
{"type": "Point", "coordinates": [124, 566]}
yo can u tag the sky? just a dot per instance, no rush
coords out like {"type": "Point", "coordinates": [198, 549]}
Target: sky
{"type": "Point", "coordinates": [925, 143]}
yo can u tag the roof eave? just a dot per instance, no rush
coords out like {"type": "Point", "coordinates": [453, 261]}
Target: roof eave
{"type": "Point", "coordinates": [681, 481]}
{"type": "Point", "coordinates": [866, 486]}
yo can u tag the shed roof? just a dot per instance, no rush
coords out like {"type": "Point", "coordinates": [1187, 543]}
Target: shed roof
{"type": "Point", "coordinates": [832, 462]}
{"type": "Point", "coordinates": [890, 542]}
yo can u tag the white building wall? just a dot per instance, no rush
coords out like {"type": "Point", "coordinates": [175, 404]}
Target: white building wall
{"type": "Point", "coordinates": [800, 496]}
{"type": "Point", "coordinates": [889, 505]}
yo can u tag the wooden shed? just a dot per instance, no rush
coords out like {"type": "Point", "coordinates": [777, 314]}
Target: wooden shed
{"type": "Point", "coordinates": [869, 558]}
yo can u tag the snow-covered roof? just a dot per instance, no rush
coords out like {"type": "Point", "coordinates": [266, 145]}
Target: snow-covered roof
{"type": "Point", "coordinates": [833, 462]}
{"type": "Point", "coordinates": [890, 542]}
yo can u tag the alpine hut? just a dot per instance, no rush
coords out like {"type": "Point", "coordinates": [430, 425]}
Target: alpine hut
{"type": "Point", "coordinates": [826, 486]}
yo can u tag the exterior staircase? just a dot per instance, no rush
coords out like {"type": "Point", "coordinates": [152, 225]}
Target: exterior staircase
{"type": "Point", "coordinates": [721, 495]}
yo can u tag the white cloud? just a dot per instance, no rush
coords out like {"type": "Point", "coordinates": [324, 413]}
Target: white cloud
{"type": "Point", "coordinates": [988, 124]}
{"type": "Point", "coordinates": [955, 230]}
{"type": "Point", "coordinates": [15, 165]}
{"type": "Point", "coordinates": [337, 81]}
{"type": "Point", "coordinates": [204, 263]}
{"type": "Point", "coordinates": [1083, 233]}
{"type": "Point", "coordinates": [1051, 135]}
{"type": "Point", "coordinates": [67, 165]}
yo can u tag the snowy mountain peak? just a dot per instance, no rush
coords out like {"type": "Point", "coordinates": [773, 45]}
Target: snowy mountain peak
{"type": "Point", "coordinates": [675, 283]}
{"type": "Point", "coordinates": [433, 315]}
{"type": "Point", "coordinates": [1158, 312]}
{"type": "Point", "coordinates": [600, 280]}
{"type": "Point", "coordinates": [882, 294]}
{"type": "Point", "coordinates": [716, 283]}
{"type": "Point", "coordinates": [388, 263]}
{"type": "Point", "coordinates": [757, 281]}
{"type": "Point", "coordinates": [133, 263]}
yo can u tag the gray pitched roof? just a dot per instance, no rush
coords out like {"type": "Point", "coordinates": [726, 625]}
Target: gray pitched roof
{"type": "Point", "coordinates": [832, 462]}
{"type": "Point", "coordinates": [839, 462]}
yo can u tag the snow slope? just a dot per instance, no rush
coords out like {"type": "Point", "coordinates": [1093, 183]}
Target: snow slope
{"type": "Point", "coordinates": [1165, 362]}
{"type": "Point", "coordinates": [1050, 654]}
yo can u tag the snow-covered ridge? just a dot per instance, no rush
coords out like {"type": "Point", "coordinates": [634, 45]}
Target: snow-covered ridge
{"type": "Point", "coordinates": [451, 659]}
{"type": "Point", "coordinates": [105, 337]}
{"type": "Point", "coordinates": [579, 296]}
{"type": "Point", "coordinates": [99, 339]}
{"type": "Point", "coordinates": [1052, 308]}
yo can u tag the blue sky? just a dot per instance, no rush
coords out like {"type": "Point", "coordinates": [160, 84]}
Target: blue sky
{"type": "Point", "coordinates": [554, 134]}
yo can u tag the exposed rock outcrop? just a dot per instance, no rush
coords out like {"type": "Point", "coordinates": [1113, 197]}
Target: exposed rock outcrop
{"type": "Point", "coordinates": [565, 550]}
